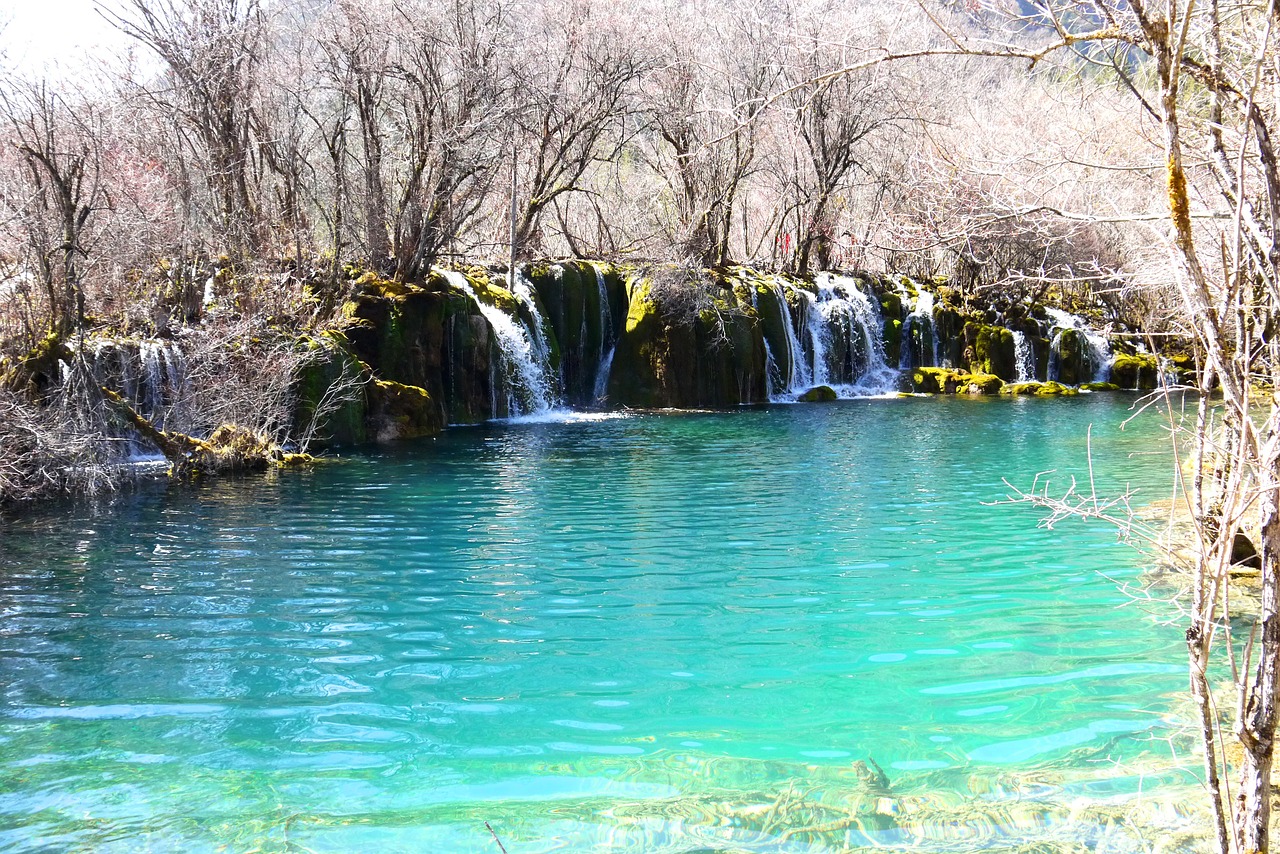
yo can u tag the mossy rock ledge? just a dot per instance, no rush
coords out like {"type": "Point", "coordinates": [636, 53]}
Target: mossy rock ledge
{"type": "Point", "coordinates": [951, 381]}
{"type": "Point", "coordinates": [399, 411]}
{"type": "Point", "coordinates": [1046, 389]}
{"type": "Point", "coordinates": [1137, 370]}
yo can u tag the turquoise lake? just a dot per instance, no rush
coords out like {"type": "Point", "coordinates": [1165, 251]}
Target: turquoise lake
{"type": "Point", "coordinates": [651, 632]}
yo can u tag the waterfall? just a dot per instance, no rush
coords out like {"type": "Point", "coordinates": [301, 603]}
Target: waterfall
{"type": "Point", "coordinates": [818, 323]}
{"type": "Point", "coordinates": [916, 352]}
{"type": "Point", "coordinates": [1099, 347]}
{"type": "Point", "coordinates": [607, 342]}
{"type": "Point", "coordinates": [834, 340]}
{"type": "Point", "coordinates": [1025, 356]}
{"type": "Point", "coordinates": [151, 376]}
{"type": "Point", "coordinates": [850, 341]}
{"type": "Point", "coordinates": [523, 351]}
{"type": "Point", "coordinates": [799, 374]}
{"type": "Point", "coordinates": [602, 377]}
{"type": "Point", "coordinates": [523, 292]}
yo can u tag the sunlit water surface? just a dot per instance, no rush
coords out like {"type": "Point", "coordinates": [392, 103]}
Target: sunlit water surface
{"type": "Point", "coordinates": [658, 632]}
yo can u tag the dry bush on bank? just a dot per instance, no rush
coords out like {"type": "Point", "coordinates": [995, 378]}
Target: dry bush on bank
{"type": "Point", "coordinates": [49, 449]}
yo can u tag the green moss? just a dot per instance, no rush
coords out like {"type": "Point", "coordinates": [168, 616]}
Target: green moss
{"type": "Point", "coordinates": [994, 349]}
{"type": "Point", "coordinates": [1073, 355]}
{"type": "Point", "coordinates": [399, 411]}
{"type": "Point", "coordinates": [642, 307]}
{"type": "Point", "coordinates": [930, 380]}
{"type": "Point", "coordinates": [495, 295]}
{"type": "Point", "coordinates": [949, 381]}
{"type": "Point", "coordinates": [718, 360]}
{"type": "Point", "coordinates": [979, 383]}
{"type": "Point", "coordinates": [294, 460]}
{"type": "Point", "coordinates": [1054, 389]}
{"type": "Point", "coordinates": [371, 284]}
{"type": "Point", "coordinates": [1049, 389]}
{"type": "Point", "coordinates": [639, 363]}
{"type": "Point", "coordinates": [1020, 388]}
{"type": "Point", "coordinates": [773, 327]}
{"type": "Point", "coordinates": [1138, 370]}
{"type": "Point", "coordinates": [1099, 387]}
{"type": "Point", "coordinates": [330, 361]}
{"type": "Point", "coordinates": [39, 369]}
{"type": "Point", "coordinates": [893, 341]}
{"type": "Point", "coordinates": [950, 297]}
{"type": "Point", "coordinates": [890, 305]}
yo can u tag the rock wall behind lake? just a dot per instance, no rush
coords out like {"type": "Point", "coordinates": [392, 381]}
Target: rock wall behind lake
{"type": "Point", "coordinates": [467, 346]}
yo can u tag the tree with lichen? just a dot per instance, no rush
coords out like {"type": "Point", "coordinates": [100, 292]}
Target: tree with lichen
{"type": "Point", "coordinates": [1202, 67]}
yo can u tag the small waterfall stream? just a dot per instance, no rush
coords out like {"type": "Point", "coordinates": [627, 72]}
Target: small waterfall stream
{"type": "Point", "coordinates": [835, 341]}
{"type": "Point", "coordinates": [608, 342]}
{"type": "Point", "coordinates": [523, 292]}
{"type": "Point", "coordinates": [151, 375]}
{"type": "Point", "coordinates": [799, 371]}
{"type": "Point", "coordinates": [818, 325]}
{"type": "Point", "coordinates": [1099, 346]}
{"type": "Point", "coordinates": [870, 371]}
{"type": "Point", "coordinates": [524, 352]}
{"type": "Point", "coordinates": [919, 338]}
{"type": "Point", "coordinates": [1025, 358]}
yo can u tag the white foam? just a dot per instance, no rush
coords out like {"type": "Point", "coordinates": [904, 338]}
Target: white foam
{"type": "Point", "coordinates": [564, 416]}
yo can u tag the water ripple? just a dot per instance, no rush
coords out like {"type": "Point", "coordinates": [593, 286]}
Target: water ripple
{"type": "Point", "coordinates": [550, 624]}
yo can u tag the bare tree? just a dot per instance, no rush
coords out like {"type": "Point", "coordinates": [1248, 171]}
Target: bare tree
{"type": "Point", "coordinates": [358, 41]}
{"type": "Point", "coordinates": [60, 146]}
{"type": "Point", "coordinates": [454, 95]}
{"type": "Point", "coordinates": [833, 117]}
{"type": "Point", "coordinates": [213, 51]}
{"type": "Point", "coordinates": [703, 104]}
{"type": "Point", "coordinates": [573, 80]}
{"type": "Point", "coordinates": [1197, 72]}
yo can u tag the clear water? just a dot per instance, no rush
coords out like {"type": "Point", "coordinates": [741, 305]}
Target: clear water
{"type": "Point", "coordinates": [659, 632]}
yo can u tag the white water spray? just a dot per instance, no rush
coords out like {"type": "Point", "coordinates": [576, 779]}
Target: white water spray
{"type": "Point", "coordinates": [800, 372]}
{"type": "Point", "coordinates": [1098, 344]}
{"type": "Point", "coordinates": [607, 344]}
{"type": "Point", "coordinates": [844, 331]}
{"type": "Point", "coordinates": [1025, 358]}
{"type": "Point", "coordinates": [524, 352]}
{"type": "Point", "coordinates": [919, 323]}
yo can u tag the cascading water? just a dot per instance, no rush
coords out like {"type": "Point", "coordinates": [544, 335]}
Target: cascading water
{"type": "Point", "coordinates": [844, 332]}
{"type": "Point", "coordinates": [1025, 358]}
{"type": "Point", "coordinates": [523, 352]}
{"type": "Point", "coordinates": [919, 339]}
{"type": "Point", "coordinates": [1098, 345]}
{"type": "Point", "coordinates": [523, 292]}
{"type": "Point", "coordinates": [607, 341]}
{"type": "Point", "coordinates": [799, 373]}
{"type": "Point", "coordinates": [151, 376]}
{"type": "Point", "coordinates": [818, 324]}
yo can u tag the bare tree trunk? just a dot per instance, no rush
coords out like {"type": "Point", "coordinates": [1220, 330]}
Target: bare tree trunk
{"type": "Point", "coordinates": [1258, 727]}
